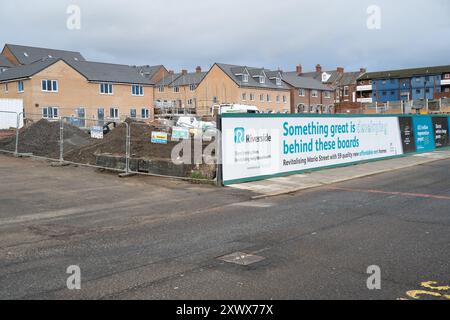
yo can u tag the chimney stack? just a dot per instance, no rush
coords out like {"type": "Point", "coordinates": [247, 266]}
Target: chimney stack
{"type": "Point", "coordinates": [184, 72]}
{"type": "Point", "coordinates": [319, 68]}
{"type": "Point", "coordinates": [198, 69]}
{"type": "Point", "coordinates": [299, 70]}
{"type": "Point", "coordinates": [171, 72]}
{"type": "Point", "coordinates": [340, 70]}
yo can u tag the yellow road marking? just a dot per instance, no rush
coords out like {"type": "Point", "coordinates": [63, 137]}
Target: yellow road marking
{"type": "Point", "coordinates": [432, 285]}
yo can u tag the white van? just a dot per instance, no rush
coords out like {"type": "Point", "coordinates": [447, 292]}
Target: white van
{"type": "Point", "coordinates": [233, 108]}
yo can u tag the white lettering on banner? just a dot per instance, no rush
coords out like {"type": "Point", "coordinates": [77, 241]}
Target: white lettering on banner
{"type": "Point", "coordinates": [257, 147]}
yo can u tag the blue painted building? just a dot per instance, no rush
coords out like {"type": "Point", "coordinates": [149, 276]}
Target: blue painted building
{"type": "Point", "coordinates": [404, 85]}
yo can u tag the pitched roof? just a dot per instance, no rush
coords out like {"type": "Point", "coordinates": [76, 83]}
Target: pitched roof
{"type": "Point", "coordinates": [27, 55]}
{"type": "Point", "coordinates": [26, 71]}
{"type": "Point", "coordinates": [5, 62]}
{"type": "Point", "coordinates": [92, 71]}
{"type": "Point", "coordinates": [301, 82]}
{"type": "Point", "coordinates": [168, 79]}
{"type": "Point", "coordinates": [405, 73]}
{"type": "Point", "coordinates": [149, 71]}
{"type": "Point", "coordinates": [108, 72]}
{"type": "Point", "coordinates": [190, 78]}
{"type": "Point", "coordinates": [235, 73]}
{"type": "Point", "coordinates": [334, 76]}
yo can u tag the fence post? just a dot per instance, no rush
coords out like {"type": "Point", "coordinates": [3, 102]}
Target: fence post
{"type": "Point", "coordinates": [16, 150]}
{"type": "Point", "coordinates": [440, 105]}
{"type": "Point", "coordinates": [127, 147]}
{"type": "Point", "coordinates": [61, 140]}
{"type": "Point", "coordinates": [219, 166]}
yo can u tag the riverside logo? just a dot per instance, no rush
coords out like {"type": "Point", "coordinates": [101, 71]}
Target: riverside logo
{"type": "Point", "coordinates": [240, 137]}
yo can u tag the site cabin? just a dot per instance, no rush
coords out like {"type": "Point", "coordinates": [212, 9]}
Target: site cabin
{"type": "Point", "coordinates": [233, 108]}
{"type": "Point", "coordinates": [10, 109]}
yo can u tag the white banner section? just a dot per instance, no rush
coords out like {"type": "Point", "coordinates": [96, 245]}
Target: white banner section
{"type": "Point", "coordinates": [255, 147]}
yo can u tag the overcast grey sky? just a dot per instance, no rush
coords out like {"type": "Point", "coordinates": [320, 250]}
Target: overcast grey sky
{"type": "Point", "coordinates": [260, 33]}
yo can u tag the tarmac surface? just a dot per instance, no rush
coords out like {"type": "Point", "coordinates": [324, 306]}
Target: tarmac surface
{"type": "Point", "coordinates": [152, 238]}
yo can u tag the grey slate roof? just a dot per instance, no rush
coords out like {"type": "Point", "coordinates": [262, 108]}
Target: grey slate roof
{"type": "Point", "coordinates": [92, 71]}
{"type": "Point", "coordinates": [301, 82]}
{"type": "Point", "coordinates": [233, 72]}
{"type": "Point", "coordinates": [27, 55]}
{"type": "Point", "coordinates": [107, 72]}
{"type": "Point", "coordinates": [405, 73]}
{"type": "Point", "coordinates": [149, 71]}
{"type": "Point", "coordinates": [25, 71]}
{"type": "Point", "coordinates": [5, 62]}
{"type": "Point", "coordinates": [168, 79]}
{"type": "Point", "coordinates": [188, 79]}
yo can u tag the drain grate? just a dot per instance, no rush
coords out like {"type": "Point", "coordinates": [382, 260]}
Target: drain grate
{"type": "Point", "coordinates": [241, 258]}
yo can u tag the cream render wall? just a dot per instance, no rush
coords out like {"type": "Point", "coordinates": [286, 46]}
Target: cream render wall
{"type": "Point", "coordinates": [74, 91]}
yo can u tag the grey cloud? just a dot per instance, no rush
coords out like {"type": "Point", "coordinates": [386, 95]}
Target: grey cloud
{"type": "Point", "coordinates": [183, 34]}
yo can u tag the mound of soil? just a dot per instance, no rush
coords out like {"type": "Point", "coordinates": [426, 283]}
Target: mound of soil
{"type": "Point", "coordinates": [114, 143]}
{"type": "Point", "coordinates": [42, 139]}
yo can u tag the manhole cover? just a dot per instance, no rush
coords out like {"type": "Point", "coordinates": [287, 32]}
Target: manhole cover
{"type": "Point", "coordinates": [241, 258]}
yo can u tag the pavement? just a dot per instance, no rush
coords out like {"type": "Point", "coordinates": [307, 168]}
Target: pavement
{"type": "Point", "coordinates": [294, 183]}
{"type": "Point", "coordinates": [150, 238]}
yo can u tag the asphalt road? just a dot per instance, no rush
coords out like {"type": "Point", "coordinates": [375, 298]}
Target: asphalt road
{"type": "Point", "coordinates": [146, 238]}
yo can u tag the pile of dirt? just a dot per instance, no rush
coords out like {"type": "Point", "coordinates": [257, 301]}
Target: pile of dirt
{"type": "Point", "coordinates": [114, 144]}
{"type": "Point", "coordinates": [4, 133]}
{"type": "Point", "coordinates": [42, 139]}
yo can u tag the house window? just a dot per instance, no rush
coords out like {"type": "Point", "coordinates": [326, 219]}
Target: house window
{"type": "Point", "coordinates": [245, 78]}
{"type": "Point", "coordinates": [301, 92]}
{"type": "Point", "coordinates": [384, 93]}
{"type": "Point", "coordinates": [192, 87]}
{"type": "Point", "coordinates": [145, 113]}
{"type": "Point", "coordinates": [215, 100]}
{"type": "Point", "coordinates": [50, 113]}
{"type": "Point", "coordinates": [284, 99]}
{"type": "Point", "coordinates": [133, 113]}
{"type": "Point", "coordinates": [190, 102]}
{"type": "Point", "coordinates": [161, 89]}
{"type": "Point", "coordinates": [314, 93]}
{"type": "Point", "coordinates": [269, 98]}
{"type": "Point", "coordinates": [418, 91]}
{"type": "Point", "coordinates": [262, 79]}
{"type": "Point", "coordinates": [278, 99]}
{"type": "Point", "coordinates": [114, 113]}
{"type": "Point", "coordinates": [447, 76]}
{"type": "Point", "coordinates": [176, 89]}
{"type": "Point", "coordinates": [346, 91]}
{"type": "Point", "coordinates": [244, 96]}
{"type": "Point", "coordinates": [252, 97]}
{"type": "Point", "coordinates": [261, 98]}
{"type": "Point", "coordinates": [49, 86]}
{"type": "Point", "coordinates": [6, 88]}
{"type": "Point", "coordinates": [20, 87]}
{"type": "Point", "coordinates": [278, 81]}
{"type": "Point", "coordinates": [327, 94]}
{"type": "Point", "coordinates": [106, 88]}
{"type": "Point", "coordinates": [137, 90]}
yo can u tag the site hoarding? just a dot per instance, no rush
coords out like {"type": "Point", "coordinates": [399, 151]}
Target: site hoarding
{"type": "Point", "coordinates": [256, 147]}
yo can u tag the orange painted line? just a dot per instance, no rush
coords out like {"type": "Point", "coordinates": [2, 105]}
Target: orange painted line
{"type": "Point", "coordinates": [404, 194]}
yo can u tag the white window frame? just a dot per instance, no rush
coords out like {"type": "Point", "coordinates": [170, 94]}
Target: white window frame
{"type": "Point", "coordinates": [301, 92]}
{"type": "Point", "coordinates": [107, 87]}
{"type": "Point", "coordinates": [138, 90]}
{"type": "Point", "coordinates": [192, 87]}
{"type": "Point", "coordinates": [245, 77]}
{"type": "Point", "coordinates": [161, 89]}
{"type": "Point", "coordinates": [314, 93]}
{"type": "Point", "coordinates": [269, 98]}
{"type": "Point", "coordinates": [6, 88]}
{"type": "Point", "coordinates": [20, 84]}
{"type": "Point", "coordinates": [131, 113]}
{"type": "Point", "coordinates": [244, 96]}
{"type": "Point", "coordinates": [327, 94]}
{"type": "Point", "coordinates": [116, 115]}
{"type": "Point", "coordinates": [176, 89]}
{"type": "Point", "coordinates": [252, 97]}
{"type": "Point", "coordinates": [346, 91]}
{"type": "Point", "coordinates": [278, 99]}
{"type": "Point", "coordinates": [262, 97]}
{"type": "Point", "coordinates": [52, 83]}
{"type": "Point", "coordinates": [284, 99]}
{"type": "Point", "coordinates": [279, 82]}
{"type": "Point", "coordinates": [145, 113]}
{"type": "Point", "coordinates": [52, 111]}
{"type": "Point", "coordinates": [190, 102]}
{"type": "Point", "coordinates": [262, 80]}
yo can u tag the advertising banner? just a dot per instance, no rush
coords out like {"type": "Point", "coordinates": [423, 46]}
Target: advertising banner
{"type": "Point", "coordinates": [258, 147]}
{"type": "Point", "coordinates": [424, 134]}
{"type": "Point", "coordinates": [179, 133]}
{"type": "Point", "coordinates": [407, 132]}
{"type": "Point", "coordinates": [159, 137]}
{"type": "Point", "coordinates": [97, 132]}
{"type": "Point", "coordinates": [440, 128]}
